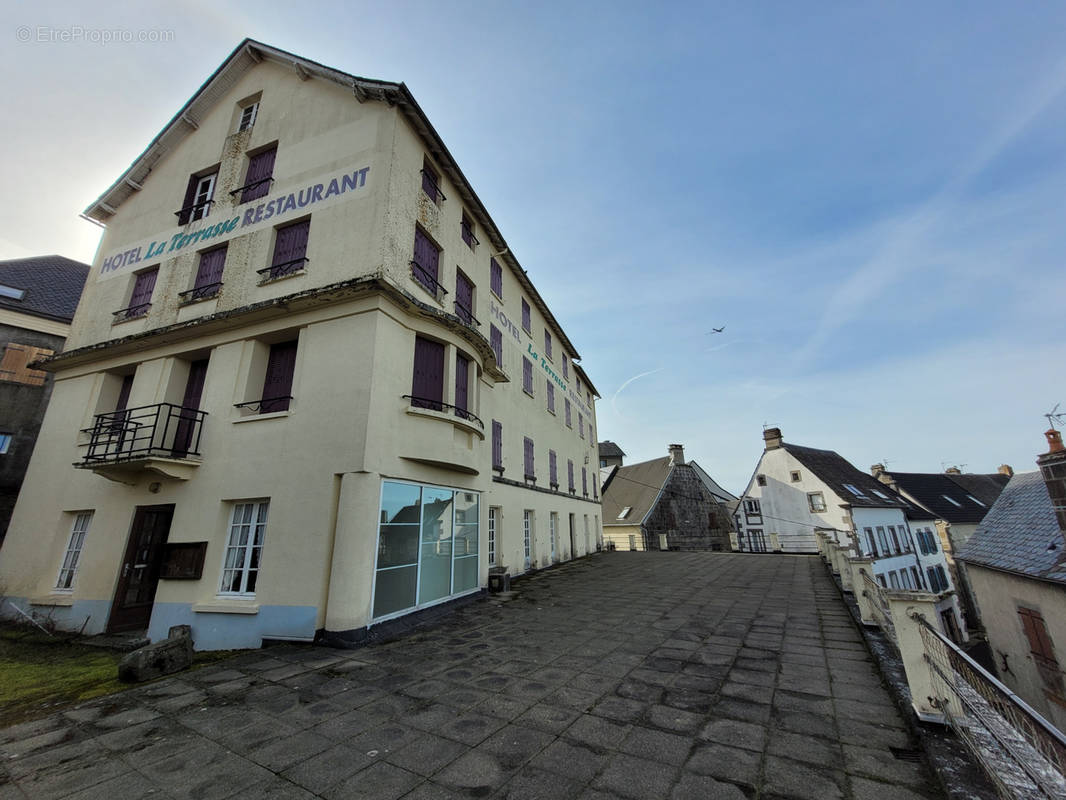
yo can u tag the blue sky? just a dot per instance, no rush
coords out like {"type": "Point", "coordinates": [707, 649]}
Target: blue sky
{"type": "Point", "coordinates": [868, 196]}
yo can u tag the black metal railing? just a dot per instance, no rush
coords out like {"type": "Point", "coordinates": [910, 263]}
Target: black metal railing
{"type": "Point", "coordinates": [422, 275]}
{"type": "Point", "coordinates": [163, 430]}
{"type": "Point", "coordinates": [466, 314]}
{"type": "Point", "coordinates": [266, 405]}
{"type": "Point", "coordinates": [188, 214]}
{"type": "Point", "coordinates": [133, 312]}
{"type": "Point", "coordinates": [282, 269]}
{"type": "Point", "coordinates": [205, 292]}
{"type": "Point", "coordinates": [252, 185]}
{"type": "Point", "coordinates": [437, 405]}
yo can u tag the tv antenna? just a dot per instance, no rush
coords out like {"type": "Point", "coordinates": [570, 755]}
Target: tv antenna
{"type": "Point", "coordinates": [1054, 416]}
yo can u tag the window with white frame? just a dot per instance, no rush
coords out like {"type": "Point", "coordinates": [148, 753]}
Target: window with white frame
{"type": "Point", "coordinates": [751, 506]}
{"type": "Point", "coordinates": [816, 502]}
{"type": "Point", "coordinates": [494, 515]}
{"type": "Point", "coordinates": [73, 554]}
{"type": "Point", "coordinates": [244, 548]}
{"type": "Point", "coordinates": [527, 537]}
{"type": "Point", "coordinates": [248, 115]}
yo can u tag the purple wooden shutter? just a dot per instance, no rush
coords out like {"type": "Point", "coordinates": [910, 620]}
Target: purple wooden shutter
{"type": "Point", "coordinates": [566, 400]}
{"type": "Point", "coordinates": [260, 170]}
{"type": "Point", "coordinates": [290, 247]}
{"type": "Point", "coordinates": [427, 387]}
{"type": "Point", "coordinates": [124, 393]}
{"type": "Point", "coordinates": [497, 445]}
{"type": "Point", "coordinates": [496, 277]}
{"type": "Point", "coordinates": [566, 367]}
{"type": "Point", "coordinates": [527, 325]}
{"type": "Point", "coordinates": [581, 425]}
{"type": "Point", "coordinates": [185, 436]}
{"type": "Point", "coordinates": [209, 273]}
{"type": "Point", "coordinates": [584, 482]}
{"type": "Point", "coordinates": [190, 197]}
{"type": "Point", "coordinates": [553, 471]}
{"type": "Point", "coordinates": [528, 452]}
{"type": "Point", "coordinates": [595, 489]}
{"type": "Point", "coordinates": [570, 474]}
{"type": "Point", "coordinates": [551, 396]}
{"type": "Point", "coordinates": [461, 385]}
{"type": "Point", "coordinates": [430, 181]}
{"type": "Point", "coordinates": [142, 293]}
{"type": "Point", "coordinates": [277, 386]}
{"type": "Point", "coordinates": [496, 339]}
{"type": "Point", "coordinates": [527, 375]}
{"type": "Point", "coordinates": [547, 343]}
{"type": "Point", "coordinates": [464, 298]}
{"type": "Point", "coordinates": [426, 257]}
{"type": "Point", "coordinates": [466, 230]}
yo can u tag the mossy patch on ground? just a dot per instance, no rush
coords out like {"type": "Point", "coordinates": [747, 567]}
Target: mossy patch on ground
{"type": "Point", "coordinates": [41, 674]}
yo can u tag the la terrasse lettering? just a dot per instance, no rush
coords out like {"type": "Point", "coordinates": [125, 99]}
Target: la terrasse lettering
{"type": "Point", "coordinates": [512, 329]}
{"type": "Point", "coordinates": [253, 216]}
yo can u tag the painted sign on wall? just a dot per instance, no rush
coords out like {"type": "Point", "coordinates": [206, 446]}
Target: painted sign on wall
{"type": "Point", "coordinates": [325, 191]}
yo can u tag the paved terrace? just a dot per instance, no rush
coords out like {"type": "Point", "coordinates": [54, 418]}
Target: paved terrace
{"type": "Point", "coordinates": [650, 675]}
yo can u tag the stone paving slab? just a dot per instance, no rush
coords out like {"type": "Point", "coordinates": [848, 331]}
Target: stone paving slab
{"type": "Point", "coordinates": [622, 675]}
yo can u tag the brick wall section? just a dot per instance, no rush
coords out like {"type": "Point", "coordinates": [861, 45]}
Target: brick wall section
{"type": "Point", "coordinates": [21, 411]}
{"type": "Point", "coordinates": [688, 514]}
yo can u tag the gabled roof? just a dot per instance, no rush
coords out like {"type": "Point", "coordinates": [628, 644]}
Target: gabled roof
{"type": "Point", "coordinates": [606, 474]}
{"type": "Point", "coordinates": [952, 497]}
{"type": "Point", "coordinates": [52, 285]}
{"type": "Point", "coordinates": [609, 449]}
{"type": "Point", "coordinates": [720, 494]}
{"type": "Point", "coordinates": [1020, 533]}
{"type": "Point", "coordinates": [837, 473]}
{"type": "Point", "coordinates": [637, 487]}
{"type": "Point", "coordinates": [245, 57]}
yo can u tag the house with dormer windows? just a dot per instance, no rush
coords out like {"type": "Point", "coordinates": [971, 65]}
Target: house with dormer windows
{"type": "Point", "coordinates": [309, 388]}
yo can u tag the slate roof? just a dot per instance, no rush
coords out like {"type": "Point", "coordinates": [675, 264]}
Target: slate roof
{"type": "Point", "coordinates": [52, 284]}
{"type": "Point", "coordinates": [932, 490]}
{"type": "Point", "coordinates": [637, 486]}
{"type": "Point", "coordinates": [609, 449]}
{"type": "Point", "coordinates": [720, 494]}
{"type": "Point", "coordinates": [1020, 532]}
{"type": "Point", "coordinates": [834, 470]}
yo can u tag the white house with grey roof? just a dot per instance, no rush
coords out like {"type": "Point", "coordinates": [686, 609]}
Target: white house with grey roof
{"type": "Point", "coordinates": [798, 492]}
{"type": "Point", "coordinates": [1016, 565]}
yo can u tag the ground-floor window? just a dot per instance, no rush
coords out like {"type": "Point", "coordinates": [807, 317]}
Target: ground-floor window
{"type": "Point", "coordinates": [552, 522]}
{"type": "Point", "coordinates": [427, 546]}
{"type": "Point", "coordinates": [73, 554]}
{"type": "Point", "coordinates": [757, 540]}
{"type": "Point", "coordinates": [527, 537]}
{"type": "Point", "coordinates": [632, 542]}
{"type": "Point", "coordinates": [494, 516]}
{"type": "Point", "coordinates": [586, 534]}
{"type": "Point", "coordinates": [244, 547]}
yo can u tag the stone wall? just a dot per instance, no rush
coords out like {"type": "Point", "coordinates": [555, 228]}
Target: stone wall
{"type": "Point", "coordinates": [688, 514]}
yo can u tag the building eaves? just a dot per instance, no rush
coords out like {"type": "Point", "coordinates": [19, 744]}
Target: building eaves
{"type": "Point", "coordinates": [837, 473]}
{"type": "Point", "coordinates": [251, 52]}
{"type": "Point", "coordinates": [52, 286]}
{"type": "Point", "coordinates": [609, 449]}
{"type": "Point", "coordinates": [948, 498]}
{"type": "Point", "coordinates": [720, 494]}
{"type": "Point", "coordinates": [636, 486]}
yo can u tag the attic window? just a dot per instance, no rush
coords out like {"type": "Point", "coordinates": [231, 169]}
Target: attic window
{"type": "Point", "coordinates": [879, 494]}
{"type": "Point", "coordinates": [953, 502]}
{"type": "Point", "coordinates": [977, 501]}
{"type": "Point", "coordinates": [248, 115]}
{"type": "Point", "coordinates": [794, 476]}
{"type": "Point", "coordinates": [853, 490]}
{"type": "Point", "coordinates": [625, 512]}
{"type": "Point", "coordinates": [760, 479]}
{"type": "Point", "coordinates": [13, 293]}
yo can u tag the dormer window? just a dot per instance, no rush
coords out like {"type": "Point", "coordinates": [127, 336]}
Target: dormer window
{"type": "Point", "coordinates": [248, 115]}
{"type": "Point", "coordinates": [879, 494]}
{"type": "Point", "coordinates": [854, 491]}
{"type": "Point", "coordinates": [625, 512]}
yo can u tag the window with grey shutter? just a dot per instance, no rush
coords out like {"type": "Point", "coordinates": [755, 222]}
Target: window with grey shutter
{"type": "Point", "coordinates": [570, 475]}
{"type": "Point", "coordinates": [547, 343]}
{"type": "Point", "coordinates": [527, 449]}
{"type": "Point", "coordinates": [566, 405]}
{"type": "Point", "coordinates": [497, 445]}
{"type": "Point", "coordinates": [553, 471]}
{"type": "Point", "coordinates": [527, 376]}
{"type": "Point", "coordinates": [551, 396]}
{"type": "Point", "coordinates": [527, 323]}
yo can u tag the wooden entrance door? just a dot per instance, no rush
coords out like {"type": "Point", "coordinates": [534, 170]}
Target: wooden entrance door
{"type": "Point", "coordinates": [132, 606]}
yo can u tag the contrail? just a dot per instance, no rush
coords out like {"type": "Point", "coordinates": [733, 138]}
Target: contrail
{"type": "Point", "coordinates": [624, 385]}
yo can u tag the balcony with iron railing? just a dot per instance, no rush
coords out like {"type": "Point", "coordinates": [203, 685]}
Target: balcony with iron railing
{"type": "Point", "coordinates": [163, 439]}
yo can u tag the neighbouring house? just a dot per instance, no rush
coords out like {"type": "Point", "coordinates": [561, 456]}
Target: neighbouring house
{"type": "Point", "coordinates": [611, 455]}
{"type": "Point", "coordinates": [797, 492]}
{"type": "Point", "coordinates": [663, 504]}
{"type": "Point", "coordinates": [1016, 565]}
{"type": "Point", "coordinates": [955, 503]}
{"type": "Point", "coordinates": [309, 388]}
{"type": "Point", "coordinates": [38, 297]}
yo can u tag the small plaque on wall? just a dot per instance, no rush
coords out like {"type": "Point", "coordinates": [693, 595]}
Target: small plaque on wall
{"type": "Point", "coordinates": [183, 560]}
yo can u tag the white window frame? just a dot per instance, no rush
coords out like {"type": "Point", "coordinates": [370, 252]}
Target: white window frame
{"type": "Point", "coordinates": [752, 506]}
{"type": "Point", "coordinates": [68, 570]}
{"type": "Point", "coordinates": [257, 524]}
{"type": "Point", "coordinates": [248, 115]}
{"type": "Point", "coordinates": [624, 512]}
{"type": "Point", "coordinates": [821, 500]}
{"type": "Point", "coordinates": [494, 514]}
{"type": "Point", "coordinates": [527, 537]}
{"type": "Point", "coordinates": [202, 196]}
{"type": "Point", "coordinates": [552, 517]}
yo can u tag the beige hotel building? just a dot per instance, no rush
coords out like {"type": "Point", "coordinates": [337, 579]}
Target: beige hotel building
{"type": "Point", "coordinates": [308, 389]}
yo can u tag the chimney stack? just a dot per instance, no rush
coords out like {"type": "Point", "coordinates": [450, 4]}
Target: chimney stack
{"type": "Point", "coordinates": [772, 437]}
{"type": "Point", "coordinates": [1006, 469]}
{"type": "Point", "coordinates": [677, 453]}
{"type": "Point", "coordinates": [953, 471]}
{"type": "Point", "coordinates": [877, 469]}
{"type": "Point", "coordinates": [1053, 467]}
